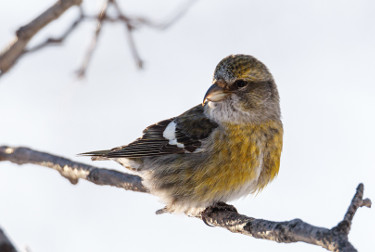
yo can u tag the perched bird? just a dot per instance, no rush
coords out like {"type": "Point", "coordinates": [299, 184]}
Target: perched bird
{"type": "Point", "coordinates": [217, 151]}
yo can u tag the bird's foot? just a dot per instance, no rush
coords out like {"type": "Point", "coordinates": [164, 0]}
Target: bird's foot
{"type": "Point", "coordinates": [218, 207]}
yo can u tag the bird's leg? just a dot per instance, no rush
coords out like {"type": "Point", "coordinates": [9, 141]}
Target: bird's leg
{"type": "Point", "coordinates": [215, 209]}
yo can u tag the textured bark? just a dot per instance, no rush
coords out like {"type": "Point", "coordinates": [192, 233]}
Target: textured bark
{"type": "Point", "coordinates": [73, 171]}
{"type": "Point", "coordinates": [220, 214]}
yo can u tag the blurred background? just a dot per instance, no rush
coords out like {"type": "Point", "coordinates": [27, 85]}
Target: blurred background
{"type": "Point", "coordinates": [321, 54]}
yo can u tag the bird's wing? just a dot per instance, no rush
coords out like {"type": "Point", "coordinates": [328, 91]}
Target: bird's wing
{"type": "Point", "coordinates": [182, 134]}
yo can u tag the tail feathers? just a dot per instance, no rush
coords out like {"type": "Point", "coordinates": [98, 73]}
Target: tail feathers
{"type": "Point", "coordinates": [105, 155]}
{"type": "Point", "coordinates": [100, 153]}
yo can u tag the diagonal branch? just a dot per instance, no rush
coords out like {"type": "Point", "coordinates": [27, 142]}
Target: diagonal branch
{"type": "Point", "coordinates": [219, 215]}
{"type": "Point", "coordinates": [5, 243]}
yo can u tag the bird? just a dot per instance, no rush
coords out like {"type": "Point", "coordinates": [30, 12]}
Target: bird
{"type": "Point", "coordinates": [227, 147]}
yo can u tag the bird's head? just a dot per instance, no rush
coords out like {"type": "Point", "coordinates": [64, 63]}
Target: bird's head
{"type": "Point", "coordinates": [243, 90]}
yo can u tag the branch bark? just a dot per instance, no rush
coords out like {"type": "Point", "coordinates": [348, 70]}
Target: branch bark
{"type": "Point", "coordinates": [219, 215]}
{"type": "Point", "coordinates": [334, 239]}
{"type": "Point", "coordinates": [73, 171]}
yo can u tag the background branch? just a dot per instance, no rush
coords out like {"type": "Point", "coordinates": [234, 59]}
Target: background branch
{"type": "Point", "coordinates": [17, 48]}
{"type": "Point", "coordinates": [24, 34]}
{"type": "Point", "coordinates": [220, 215]}
{"type": "Point", "coordinates": [101, 16]}
{"type": "Point", "coordinates": [61, 38]}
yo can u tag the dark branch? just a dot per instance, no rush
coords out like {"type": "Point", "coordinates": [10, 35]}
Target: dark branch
{"type": "Point", "coordinates": [5, 244]}
{"type": "Point", "coordinates": [220, 214]}
{"type": "Point", "coordinates": [343, 228]}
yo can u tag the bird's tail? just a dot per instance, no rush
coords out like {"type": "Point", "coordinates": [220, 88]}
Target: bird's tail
{"type": "Point", "coordinates": [96, 155]}
{"type": "Point", "coordinates": [99, 153]}
{"type": "Point", "coordinates": [105, 155]}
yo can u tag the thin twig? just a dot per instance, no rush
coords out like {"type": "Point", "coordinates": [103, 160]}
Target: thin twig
{"type": "Point", "coordinates": [129, 31]}
{"type": "Point", "coordinates": [169, 22]}
{"type": "Point", "coordinates": [81, 72]}
{"type": "Point", "coordinates": [137, 22]}
{"type": "Point", "coordinates": [62, 37]}
{"type": "Point", "coordinates": [220, 214]}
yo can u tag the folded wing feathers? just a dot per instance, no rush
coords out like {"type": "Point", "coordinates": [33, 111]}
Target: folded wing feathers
{"type": "Point", "coordinates": [190, 128]}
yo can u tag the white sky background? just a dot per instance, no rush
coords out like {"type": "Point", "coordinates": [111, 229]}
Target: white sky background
{"type": "Point", "coordinates": [321, 54]}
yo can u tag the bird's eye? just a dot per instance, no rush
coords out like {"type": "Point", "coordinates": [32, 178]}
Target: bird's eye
{"type": "Point", "coordinates": [240, 83]}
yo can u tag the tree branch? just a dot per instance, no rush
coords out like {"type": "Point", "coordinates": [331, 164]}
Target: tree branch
{"type": "Point", "coordinates": [220, 214]}
{"type": "Point", "coordinates": [5, 244]}
{"type": "Point", "coordinates": [24, 34]}
{"type": "Point", "coordinates": [334, 239]}
{"type": "Point", "coordinates": [73, 171]}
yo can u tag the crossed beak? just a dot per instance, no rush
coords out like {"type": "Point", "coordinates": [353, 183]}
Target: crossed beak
{"type": "Point", "coordinates": [215, 93]}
